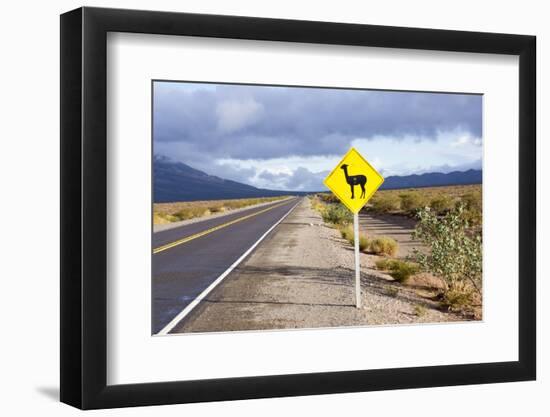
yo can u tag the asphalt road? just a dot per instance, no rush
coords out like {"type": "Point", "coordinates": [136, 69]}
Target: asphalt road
{"type": "Point", "coordinates": [183, 271]}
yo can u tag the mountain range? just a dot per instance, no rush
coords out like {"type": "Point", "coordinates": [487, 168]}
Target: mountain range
{"type": "Point", "coordinates": [432, 179]}
{"type": "Point", "coordinates": [176, 181]}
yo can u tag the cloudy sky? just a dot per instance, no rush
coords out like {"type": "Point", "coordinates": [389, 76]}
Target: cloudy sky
{"type": "Point", "coordinates": [289, 138]}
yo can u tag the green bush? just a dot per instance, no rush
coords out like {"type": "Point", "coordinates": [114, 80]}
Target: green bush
{"type": "Point", "coordinates": [442, 204]}
{"type": "Point", "coordinates": [348, 234]}
{"type": "Point", "coordinates": [400, 271]}
{"type": "Point", "coordinates": [458, 297]}
{"type": "Point", "coordinates": [383, 246]}
{"type": "Point", "coordinates": [412, 201]}
{"type": "Point", "coordinates": [385, 203]}
{"type": "Point", "coordinates": [454, 255]}
{"type": "Point", "coordinates": [337, 214]}
{"type": "Point", "coordinates": [386, 264]}
{"type": "Point", "coordinates": [403, 271]}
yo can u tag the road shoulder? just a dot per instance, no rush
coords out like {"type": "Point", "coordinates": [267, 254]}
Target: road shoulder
{"type": "Point", "coordinates": [301, 276]}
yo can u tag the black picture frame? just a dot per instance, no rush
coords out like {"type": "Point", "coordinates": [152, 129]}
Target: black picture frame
{"type": "Point", "coordinates": [84, 207]}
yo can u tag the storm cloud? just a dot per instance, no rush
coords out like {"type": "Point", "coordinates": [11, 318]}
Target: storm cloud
{"type": "Point", "coordinates": [256, 122]}
{"type": "Point", "coordinates": [206, 125]}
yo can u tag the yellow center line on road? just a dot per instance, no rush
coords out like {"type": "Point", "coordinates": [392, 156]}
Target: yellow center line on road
{"type": "Point", "coordinates": [213, 229]}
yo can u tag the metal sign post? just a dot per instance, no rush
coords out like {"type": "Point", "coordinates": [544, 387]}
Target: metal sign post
{"type": "Point", "coordinates": [354, 181]}
{"type": "Point", "coordinates": [357, 263]}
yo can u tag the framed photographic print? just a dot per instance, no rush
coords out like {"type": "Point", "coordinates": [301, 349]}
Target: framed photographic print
{"type": "Point", "coordinates": [259, 207]}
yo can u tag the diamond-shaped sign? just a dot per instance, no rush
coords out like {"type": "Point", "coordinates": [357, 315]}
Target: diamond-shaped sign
{"type": "Point", "coordinates": [354, 180]}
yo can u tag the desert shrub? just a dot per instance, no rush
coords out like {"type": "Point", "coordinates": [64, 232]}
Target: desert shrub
{"type": "Point", "coordinates": [348, 234]}
{"type": "Point", "coordinates": [471, 201]}
{"type": "Point", "coordinates": [159, 219]}
{"type": "Point", "coordinates": [473, 217]}
{"type": "Point", "coordinates": [458, 297]}
{"type": "Point", "coordinates": [363, 243]}
{"type": "Point", "coordinates": [383, 245]}
{"type": "Point", "coordinates": [392, 291]}
{"type": "Point", "coordinates": [442, 204]}
{"type": "Point", "coordinates": [337, 214]}
{"type": "Point", "coordinates": [317, 205]}
{"type": "Point", "coordinates": [473, 209]}
{"type": "Point", "coordinates": [412, 201]}
{"type": "Point", "coordinates": [328, 198]}
{"type": "Point", "coordinates": [402, 271]}
{"type": "Point", "coordinates": [385, 203]}
{"type": "Point", "coordinates": [454, 255]}
{"type": "Point", "coordinates": [420, 310]}
{"type": "Point", "coordinates": [399, 270]}
{"type": "Point", "coordinates": [172, 218]}
{"type": "Point", "coordinates": [217, 208]}
{"type": "Point", "coordinates": [191, 212]}
{"type": "Point", "coordinates": [386, 264]}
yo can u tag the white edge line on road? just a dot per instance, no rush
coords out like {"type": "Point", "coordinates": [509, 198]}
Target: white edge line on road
{"type": "Point", "coordinates": [203, 294]}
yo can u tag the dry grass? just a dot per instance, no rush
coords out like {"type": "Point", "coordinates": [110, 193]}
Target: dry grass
{"type": "Point", "coordinates": [347, 233]}
{"type": "Point", "coordinates": [427, 280]}
{"type": "Point", "coordinates": [333, 212]}
{"type": "Point", "coordinates": [408, 201]}
{"type": "Point", "coordinates": [439, 199]}
{"type": "Point", "coordinates": [172, 212]}
{"type": "Point", "coordinates": [383, 245]}
{"type": "Point", "coordinates": [400, 271]}
{"type": "Point", "coordinates": [420, 310]}
{"type": "Point", "coordinates": [453, 191]}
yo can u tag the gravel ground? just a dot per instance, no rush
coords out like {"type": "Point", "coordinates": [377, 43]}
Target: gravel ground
{"type": "Point", "coordinates": [302, 276]}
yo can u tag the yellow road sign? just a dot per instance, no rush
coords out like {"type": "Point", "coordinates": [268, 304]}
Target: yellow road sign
{"type": "Point", "coordinates": [354, 180]}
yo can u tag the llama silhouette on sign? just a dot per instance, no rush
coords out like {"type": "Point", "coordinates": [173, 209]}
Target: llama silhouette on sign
{"type": "Point", "coordinates": [354, 180]}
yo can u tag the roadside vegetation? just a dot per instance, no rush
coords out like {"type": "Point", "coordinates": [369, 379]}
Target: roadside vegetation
{"type": "Point", "coordinates": [439, 199]}
{"type": "Point", "coordinates": [420, 310]}
{"type": "Point", "coordinates": [448, 227]}
{"type": "Point", "coordinates": [347, 233]}
{"type": "Point", "coordinates": [399, 270]}
{"type": "Point", "coordinates": [338, 216]}
{"type": "Point", "coordinates": [455, 256]}
{"type": "Point", "coordinates": [174, 212]}
{"type": "Point", "coordinates": [383, 245]}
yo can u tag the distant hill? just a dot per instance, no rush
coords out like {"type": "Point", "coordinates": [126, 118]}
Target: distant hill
{"type": "Point", "coordinates": [176, 181]}
{"type": "Point", "coordinates": [433, 179]}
